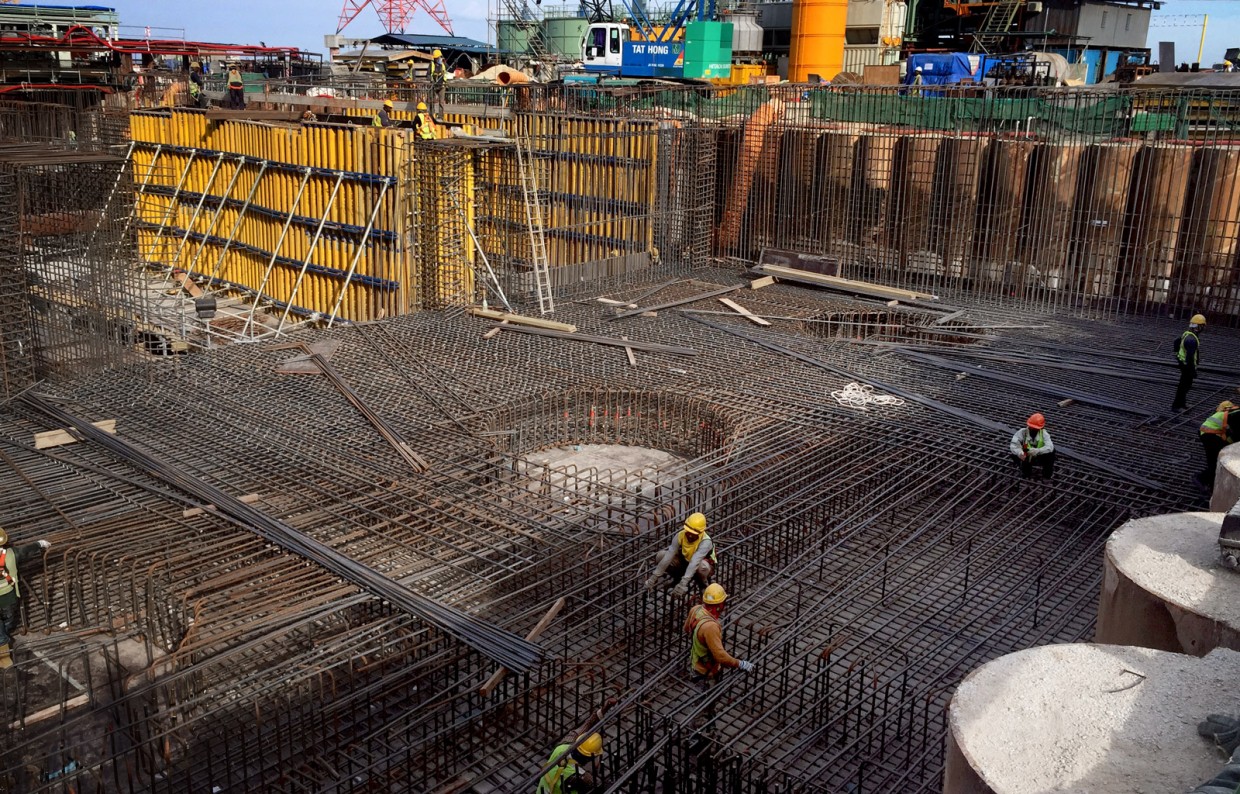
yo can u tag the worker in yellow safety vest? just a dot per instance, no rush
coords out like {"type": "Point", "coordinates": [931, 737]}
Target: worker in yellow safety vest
{"type": "Point", "coordinates": [424, 123]}
{"type": "Point", "coordinates": [691, 554]}
{"type": "Point", "coordinates": [706, 655]}
{"type": "Point", "coordinates": [10, 590]}
{"type": "Point", "coordinates": [1187, 356]}
{"type": "Point", "coordinates": [571, 770]}
{"type": "Point", "coordinates": [1216, 432]}
{"type": "Point", "coordinates": [439, 76]}
{"type": "Point", "coordinates": [384, 117]}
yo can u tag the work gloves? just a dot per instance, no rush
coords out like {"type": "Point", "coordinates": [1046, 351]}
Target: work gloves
{"type": "Point", "coordinates": [652, 583]}
{"type": "Point", "coordinates": [681, 589]}
{"type": "Point", "coordinates": [45, 545]}
{"type": "Point", "coordinates": [746, 667]}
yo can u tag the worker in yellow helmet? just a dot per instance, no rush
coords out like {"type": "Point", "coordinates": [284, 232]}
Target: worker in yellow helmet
{"type": "Point", "coordinates": [691, 554]}
{"type": "Point", "coordinates": [1220, 429]}
{"type": "Point", "coordinates": [707, 656]}
{"type": "Point", "coordinates": [10, 590]}
{"type": "Point", "coordinates": [424, 123]}
{"type": "Point", "coordinates": [571, 768]}
{"type": "Point", "coordinates": [439, 77]}
{"type": "Point", "coordinates": [1187, 356]}
{"type": "Point", "coordinates": [384, 117]}
{"type": "Point", "coordinates": [236, 88]}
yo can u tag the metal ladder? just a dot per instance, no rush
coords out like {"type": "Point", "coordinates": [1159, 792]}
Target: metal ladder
{"type": "Point", "coordinates": [998, 21]}
{"type": "Point", "coordinates": [527, 166]}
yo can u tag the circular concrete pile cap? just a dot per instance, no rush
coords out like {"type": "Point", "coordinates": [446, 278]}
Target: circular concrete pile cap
{"type": "Point", "coordinates": [1165, 587]}
{"type": "Point", "coordinates": [1092, 719]}
{"type": "Point", "coordinates": [1226, 480]}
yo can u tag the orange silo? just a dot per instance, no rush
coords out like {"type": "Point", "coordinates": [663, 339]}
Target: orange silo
{"type": "Point", "coordinates": [817, 39]}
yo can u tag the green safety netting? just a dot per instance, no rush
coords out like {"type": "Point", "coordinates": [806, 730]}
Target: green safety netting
{"type": "Point", "coordinates": [1088, 114]}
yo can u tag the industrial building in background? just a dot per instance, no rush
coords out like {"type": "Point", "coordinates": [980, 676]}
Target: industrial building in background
{"type": "Point", "coordinates": [355, 402]}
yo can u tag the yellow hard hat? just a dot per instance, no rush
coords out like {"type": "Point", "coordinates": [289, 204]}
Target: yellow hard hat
{"type": "Point", "coordinates": [387, 103]}
{"type": "Point", "coordinates": [1197, 319]}
{"type": "Point", "coordinates": [421, 106]}
{"type": "Point", "coordinates": [714, 594]}
{"type": "Point", "coordinates": [1226, 405]}
{"type": "Point", "coordinates": [436, 54]}
{"type": "Point", "coordinates": [592, 745]}
{"type": "Point", "coordinates": [4, 537]}
{"type": "Point", "coordinates": [195, 65]}
{"type": "Point", "coordinates": [696, 523]}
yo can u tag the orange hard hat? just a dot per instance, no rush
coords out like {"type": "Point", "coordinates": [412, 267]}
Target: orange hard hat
{"type": "Point", "coordinates": [1037, 421]}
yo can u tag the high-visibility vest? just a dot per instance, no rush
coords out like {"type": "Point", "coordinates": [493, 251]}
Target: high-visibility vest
{"type": "Point", "coordinates": [1216, 425]}
{"type": "Point", "coordinates": [439, 71]}
{"type": "Point", "coordinates": [687, 549]}
{"type": "Point", "coordinates": [553, 781]}
{"type": "Point", "coordinates": [1035, 441]}
{"type": "Point", "coordinates": [8, 578]}
{"type": "Point", "coordinates": [1182, 356]}
{"type": "Point", "coordinates": [234, 79]}
{"type": "Point", "coordinates": [701, 660]}
{"type": "Point", "coordinates": [426, 127]}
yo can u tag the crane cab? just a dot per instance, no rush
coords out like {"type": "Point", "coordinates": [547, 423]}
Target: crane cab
{"type": "Point", "coordinates": [602, 49]}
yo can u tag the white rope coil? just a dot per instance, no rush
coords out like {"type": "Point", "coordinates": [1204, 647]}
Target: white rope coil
{"type": "Point", "coordinates": [856, 395]}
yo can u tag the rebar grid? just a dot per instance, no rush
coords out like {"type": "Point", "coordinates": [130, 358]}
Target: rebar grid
{"type": "Point", "coordinates": [872, 558]}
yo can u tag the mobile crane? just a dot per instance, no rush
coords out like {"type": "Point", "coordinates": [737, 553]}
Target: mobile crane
{"type": "Point", "coordinates": [692, 44]}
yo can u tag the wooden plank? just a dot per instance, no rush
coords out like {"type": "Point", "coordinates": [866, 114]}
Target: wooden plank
{"type": "Point", "coordinates": [190, 512]}
{"type": "Point", "coordinates": [759, 283]}
{"type": "Point", "coordinates": [742, 311]}
{"type": "Point", "coordinates": [649, 347]}
{"type": "Point", "coordinates": [58, 438]}
{"type": "Point", "coordinates": [304, 364]}
{"type": "Point", "coordinates": [844, 284]}
{"type": "Point", "coordinates": [188, 285]}
{"type": "Point", "coordinates": [494, 332]}
{"type": "Point", "coordinates": [534, 634]}
{"type": "Point", "coordinates": [610, 302]}
{"type": "Point", "coordinates": [519, 319]}
{"type": "Point", "coordinates": [947, 318]}
{"type": "Point", "coordinates": [628, 351]}
{"type": "Point", "coordinates": [679, 302]}
{"type": "Point", "coordinates": [49, 712]}
{"type": "Point", "coordinates": [1066, 403]}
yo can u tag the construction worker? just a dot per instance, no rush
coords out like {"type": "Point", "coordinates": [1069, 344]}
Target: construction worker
{"type": "Point", "coordinates": [308, 117]}
{"type": "Point", "coordinates": [1032, 446]}
{"type": "Point", "coordinates": [236, 88]}
{"type": "Point", "coordinates": [572, 768]}
{"type": "Point", "coordinates": [1216, 432]}
{"type": "Point", "coordinates": [424, 123]}
{"type": "Point", "coordinates": [706, 655]}
{"type": "Point", "coordinates": [384, 117]}
{"type": "Point", "coordinates": [10, 590]}
{"type": "Point", "coordinates": [439, 76]}
{"type": "Point", "coordinates": [196, 96]}
{"type": "Point", "coordinates": [691, 554]}
{"type": "Point", "coordinates": [1187, 357]}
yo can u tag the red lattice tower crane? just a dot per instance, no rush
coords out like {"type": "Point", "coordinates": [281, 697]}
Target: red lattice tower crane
{"type": "Point", "coordinates": [395, 14]}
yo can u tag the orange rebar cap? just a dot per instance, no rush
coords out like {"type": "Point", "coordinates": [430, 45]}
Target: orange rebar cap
{"type": "Point", "coordinates": [1037, 421]}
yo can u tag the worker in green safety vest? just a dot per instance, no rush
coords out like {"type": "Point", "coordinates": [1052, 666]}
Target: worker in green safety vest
{"type": "Point", "coordinates": [11, 560]}
{"type": "Point", "coordinates": [236, 88]}
{"type": "Point", "coordinates": [571, 770]}
{"type": "Point", "coordinates": [707, 656]}
{"type": "Point", "coordinates": [1187, 356]}
{"type": "Point", "coordinates": [1216, 432]}
{"type": "Point", "coordinates": [384, 117]}
{"type": "Point", "coordinates": [1031, 447]}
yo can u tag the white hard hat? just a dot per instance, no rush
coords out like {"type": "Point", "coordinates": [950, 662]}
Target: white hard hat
{"type": "Point", "coordinates": [918, 69]}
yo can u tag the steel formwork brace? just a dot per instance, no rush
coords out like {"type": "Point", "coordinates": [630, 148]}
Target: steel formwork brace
{"type": "Point", "coordinates": [215, 217]}
{"type": "Point", "coordinates": [357, 255]}
{"type": "Point", "coordinates": [189, 227]}
{"type": "Point", "coordinates": [275, 253]}
{"type": "Point", "coordinates": [176, 194]}
{"type": "Point", "coordinates": [219, 263]}
{"type": "Point", "coordinates": [314, 244]}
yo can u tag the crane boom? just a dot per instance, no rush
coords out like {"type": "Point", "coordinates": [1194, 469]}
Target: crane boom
{"type": "Point", "coordinates": [395, 14]}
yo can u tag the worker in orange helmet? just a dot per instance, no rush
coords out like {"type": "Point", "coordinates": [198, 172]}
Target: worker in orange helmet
{"type": "Point", "coordinates": [691, 554]}
{"type": "Point", "coordinates": [1032, 447]}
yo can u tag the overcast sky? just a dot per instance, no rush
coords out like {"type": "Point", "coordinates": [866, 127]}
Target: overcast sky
{"type": "Point", "coordinates": [303, 23]}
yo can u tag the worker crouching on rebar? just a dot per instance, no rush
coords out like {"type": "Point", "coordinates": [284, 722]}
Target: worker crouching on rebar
{"type": "Point", "coordinates": [707, 656]}
{"type": "Point", "coordinates": [11, 560]}
{"type": "Point", "coordinates": [691, 554]}
{"type": "Point", "coordinates": [572, 768]}
{"type": "Point", "coordinates": [1032, 447]}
